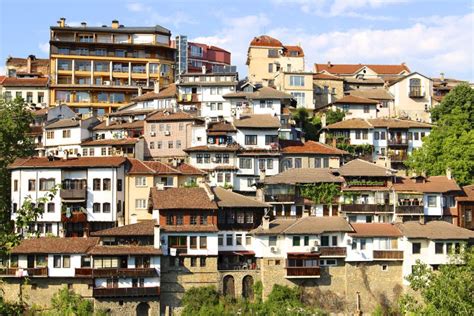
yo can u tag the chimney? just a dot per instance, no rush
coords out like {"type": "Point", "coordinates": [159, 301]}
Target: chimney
{"type": "Point", "coordinates": [83, 24]}
{"type": "Point", "coordinates": [140, 91]}
{"type": "Point", "coordinates": [266, 222]}
{"type": "Point", "coordinates": [323, 120]}
{"type": "Point", "coordinates": [441, 76]}
{"type": "Point", "coordinates": [156, 88]}
{"type": "Point", "coordinates": [422, 220]}
{"type": "Point", "coordinates": [62, 22]}
{"type": "Point", "coordinates": [115, 24]}
{"type": "Point", "coordinates": [156, 234]}
{"type": "Point", "coordinates": [449, 174]}
{"type": "Point", "coordinates": [203, 69]}
{"type": "Point", "coordinates": [107, 121]}
{"type": "Point", "coordinates": [133, 219]}
{"type": "Point", "coordinates": [329, 64]}
{"type": "Point", "coordinates": [28, 63]}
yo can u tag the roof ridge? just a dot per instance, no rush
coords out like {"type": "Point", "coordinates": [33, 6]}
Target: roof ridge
{"type": "Point", "coordinates": [297, 221]}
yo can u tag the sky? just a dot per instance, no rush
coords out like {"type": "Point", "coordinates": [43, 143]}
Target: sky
{"type": "Point", "coordinates": [430, 36]}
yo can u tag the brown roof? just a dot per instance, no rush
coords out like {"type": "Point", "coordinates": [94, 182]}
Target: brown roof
{"type": "Point", "coordinates": [306, 225]}
{"type": "Point", "coordinates": [303, 175]}
{"type": "Point", "coordinates": [132, 112]}
{"type": "Point", "coordinates": [63, 123]}
{"type": "Point", "coordinates": [468, 194]}
{"type": "Point", "coordinates": [139, 167]}
{"type": "Point", "coordinates": [125, 250]}
{"type": "Point", "coordinates": [347, 69]}
{"type": "Point", "coordinates": [437, 230]}
{"type": "Point", "coordinates": [375, 230]}
{"type": "Point", "coordinates": [375, 94]}
{"type": "Point", "coordinates": [257, 121]}
{"type": "Point", "coordinates": [25, 82]}
{"type": "Point", "coordinates": [228, 148]}
{"type": "Point", "coordinates": [265, 40]}
{"type": "Point", "coordinates": [227, 198]}
{"type": "Point", "coordinates": [2, 78]}
{"type": "Point", "coordinates": [361, 168]}
{"type": "Point", "coordinates": [150, 167]}
{"type": "Point", "coordinates": [144, 228]}
{"type": "Point", "coordinates": [45, 245]}
{"type": "Point", "coordinates": [364, 81]}
{"type": "Point", "coordinates": [433, 184]}
{"type": "Point", "coordinates": [80, 162]}
{"type": "Point", "coordinates": [288, 49]}
{"type": "Point", "coordinates": [358, 123]}
{"type": "Point", "coordinates": [351, 99]}
{"type": "Point", "coordinates": [40, 112]}
{"type": "Point", "coordinates": [112, 142]}
{"type": "Point", "coordinates": [166, 116]}
{"type": "Point", "coordinates": [181, 198]}
{"type": "Point", "coordinates": [354, 123]}
{"type": "Point", "coordinates": [221, 127]}
{"type": "Point", "coordinates": [168, 92]}
{"type": "Point", "coordinates": [309, 147]}
{"type": "Point", "coordinates": [190, 228]}
{"type": "Point", "coordinates": [187, 169]}
{"type": "Point", "coordinates": [116, 125]}
{"type": "Point", "coordinates": [270, 93]}
{"type": "Point", "coordinates": [325, 76]}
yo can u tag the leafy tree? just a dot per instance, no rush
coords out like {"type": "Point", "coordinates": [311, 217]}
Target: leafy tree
{"type": "Point", "coordinates": [67, 303]}
{"type": "Point", "coordinates": [334, 116]}
{"type": "Point", "coordinates": [321, 193]}
{"type": "Point", "coordinates": [309, 125]}
{"type": "Point", "coordinates": [451, 143]}
{"type": "Point", "coordinates": [448, 291]}
{"type": "Point", "coordinates": [199, 297]}
{"type": "Point", "coordinates": [12, 309]}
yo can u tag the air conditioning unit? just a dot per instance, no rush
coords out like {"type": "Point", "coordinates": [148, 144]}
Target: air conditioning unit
{"type": "Point", "coordinates": [167, 133]}
{"type": "Point", "coordinates": [214, 159]}
{"type": "Point", "coordinates": [314, 249]}
{"type": "Point", "coordinates": [152, 134]}
{"type": "Point", "coordinates": [107, 83]}
{"type": "Point", "coordinates": [349, 241]}
{"type": "Point", "coordinates": [273, 249]}
{"type": "Point", "coordinates": [316, 243]}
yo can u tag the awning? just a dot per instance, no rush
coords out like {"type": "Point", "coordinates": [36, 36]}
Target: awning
{"type": "Point", "coordinates": [302, 255]}
{"type": "Point", "coordinates": [73, 201]}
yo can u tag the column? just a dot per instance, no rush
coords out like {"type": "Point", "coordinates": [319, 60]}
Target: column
{"type": "Point", "coordinates": [129, 73]}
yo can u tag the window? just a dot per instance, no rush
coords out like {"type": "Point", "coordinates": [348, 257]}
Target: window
{"type": "Point", "coordinates": [193, 261]}
{"type": "Point", "coordinates": [376, 135]}
{"type": "Point", "coordinates": [193, 220]}
{"type": "Point", "coordinates": [250, 139]}
{"type": "Point", "coordinates": [245, 163]}
{"type": "Point", "coordinates": [169, 219]}
{"type": "Point", "coordinates": [432, 201]}
{"type": "Point", "coordinates": [207, 158]}
{"type": "Point", "coordinates": [261, 164]}
{"type": "Point", "coordinates": [228, 240]}
{"type": "Point", "coordinates": [31, 184]}
{"type": "Point", "coordinates": [106, 184]}
{"type": "Point", "coordinates": [416, 136]}
{"type": "Point", "coordinates": [363, 243]}
{"type": "Point", "coordinates": [439, 247]}
{"type": "Point", "coordinates": [50, 135]}
{"type": "Point", "coordinates": [202, 261]}
{"type": "Point", "coordinates": [238, 239]}
{"type": "Point", "coordinates": [119, 185]}
{"type": "Point", "coordinates": [106, 208]}
{"type": "Point", "coordinates": [193, 242]}
{"type": "Point", "coordinates": [152, 145]}
{"type": "Point", "coordinates": [48, 228]}
{"type": "Point", "coordinates": [203, 242]}
{"type": "Point", "coordinates": [170, 144]}
{"type": "Point", "coordinates": [366, 109]}
{"type": "Point", "coordinates": [272, 240]}
{"type": "Point", "coordinates": [365, 135]}
{"type": "Point", "coordinates": [140, 203]}
{"type": "Point", "coordinates": [199, 158]}
{"type": "Point", "coordinates": [384, 267]}
{"type": "Point", "coordinates": [96, 184]}
{"type": "Point", "coordinates": [306, 240]}
{"type": "Point", "coordinates": [220, 240]}
{"type": "Point", "coordinates": [179, 219]}
{"type": "Point", "coordinates": [225, 158]}
{"type": "Point", "coordinates": [140, 181]}
{"type": "Point", "coordinates": [416, 248]}
{"type": "Point", "coordinates": [269, 163]}
{"type": "Point", "coordinates": [272, 52]}
{"type": "Point", "coordinates": [96, 208]}
{"type": "Point", "coordinates": [220, 177]}
{"type": "Point", "coordinates": [159, 144]}
{"type": "Point", "coordinates": [299, 97]}
{"type": "Point", "coordinates": [269, 139]}
{"type": "Point", "coordinates": [297, 81]}
{"type": "Point", "coordinates": [57, 261]}
{"type": "Point", "coordinates": [46, 184]}
{"type": "Point", "coordinates": [203, 220]}
{"type": "Point", "coordinates": [382, 135]}
{"type": "Point", "coordinates": [296, 241]}
{"type": "Point", "coordinates": [66, 261]}
{"type": "Point", "coordinates": [50, 207]}
{"type": "Point", "coordinates": [298, 163]}
{"type": "Point", "coordinates": [178, 144]}
{"type": "Point", "coordinates": [270, 68]}
{"type": "Point", "coordinates": [248, 240]}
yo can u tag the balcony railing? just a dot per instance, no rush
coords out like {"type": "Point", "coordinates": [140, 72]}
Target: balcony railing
{"type": "Point", "coordinates": [303, 272]}
{"type": "Point", "coordinates": [388, 254]}
{"type": "Point", "coordinates": [367, 208]}
{"type": "Point", "coordinates": [416, 92]}
{"type": "Point", "coordinates": [410, 209]}
{"type": "Point", "coordinates": [333, 251]}
{"type": "Point", "coordinates": [398, 142]}
{"type": "Point", "coordinates": [31, 272]}
{"type": "Point", "coordinates": [116, 272]}
{"type": "Point", "coordinates": [280, 198]}
{"type": "Point", "coordinates": [238, 266]}
{"type": "Point", "coordinates": [73, 194]}
{"type": "Point", "coordinates": [126, 292]}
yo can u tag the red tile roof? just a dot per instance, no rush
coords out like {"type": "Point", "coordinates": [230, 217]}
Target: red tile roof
{"type": "Point", "coordinates": [266, 41]}
{"type": "Point", "coordinates": [2, 78]}
{"type": "Point", "coordinates": [375, 230]}
{"type": "Point", "coordinates": [309, 147]}
{"type": "Point", "coordinates": [166, 116]}
{"type": "Point", "coordinates": [112, 142]}
{"type": "Point", "coordinates": [289, 49]}
{"type": "Point", "coordinates": [186, 169]}
{"type": "Point", "coordinates": [46, 245]}
{"type": "Point", "coordinates": [145, 228]}
{"type": "Point", "coordinates": [351, 99]}
{"type": "Point", "coordinates": [115, 125]}
{"type": "Point", "coordinates": [81, 162]}
{"type": "Point", "coordinates": [468, 194]}
{"type": "Point", "coordinates": [348, 69]}
{"type": "Point", "coordinates": [168, 92]}
{"type": "Point", "coordinates": [358, 123]}
{"type": "Point", "coordinates": [324, 76]}
{"type": "Point", "coordinates": [434, 184]}
{"type": "Point", "coordinates": [181, 198]}
{"type": "Point", "coordinates": [139, 167]}
{"type": "Point", "coordinates": [25, 82]}
{"type": "Point", "coordinates": [125, 250]}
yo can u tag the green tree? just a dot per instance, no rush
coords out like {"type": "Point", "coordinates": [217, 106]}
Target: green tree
{"type": "Point", "coordinates": [334, 116]}
{"type": "Point", "coordinates": [309, 125]}
{"type": "Point", "coordinates": [451, 142]}
{"type": "Point", "coordinates": [448, 291]}
{"type": "Point", "coordinates": [197, 298]}
{"type": "Point", "coordinates": [67, 303]}
{"type": "Point", "coordinates": [320, 193]}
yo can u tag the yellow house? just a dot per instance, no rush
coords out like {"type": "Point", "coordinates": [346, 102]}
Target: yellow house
{"type": "Point", "coordinates": [144, 175]}
{"type": "Point", "coordinates": [299, 84]}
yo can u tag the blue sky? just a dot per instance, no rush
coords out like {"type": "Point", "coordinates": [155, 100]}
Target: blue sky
{"type": "Point", "coordinates": [430, 36]}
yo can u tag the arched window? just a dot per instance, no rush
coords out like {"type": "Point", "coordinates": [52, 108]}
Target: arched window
{"type": "Point", "coordinates": [247, 287]}
{"type": "Point", "coordinates": [229, 286]}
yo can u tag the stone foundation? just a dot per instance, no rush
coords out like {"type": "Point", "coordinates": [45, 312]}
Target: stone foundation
{"type": "Point", "coordinates": [126, 307]}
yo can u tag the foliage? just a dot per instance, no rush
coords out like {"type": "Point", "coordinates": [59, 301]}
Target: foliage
{"type": "Point", "coordinates": [227, 186]}
{"type": "Point", "coordinates": [191, 184]}
{"type": "Point", "coordinates": [334, 116]}
{"type": "Point", "coordinates": [258, 291]}
{"type": "Point", "coordinates": [197, 298]}
{"type": "Point", "coordinates": [66, 302]}
{"type": "Point", "coordinates": [309, 125]}
{"type": "Point", "coordinates": [448, 291]}
{"type": "Point", "coordinates": [9, 308]}
{"type": "Point", "coordinates": [355, 150]}
{"type": "Point", "coordinates": [364, 183]}
{"type": "Point", "coordinates": [451, 143]}
{"type": "Point", "coordinates": [321, 193]}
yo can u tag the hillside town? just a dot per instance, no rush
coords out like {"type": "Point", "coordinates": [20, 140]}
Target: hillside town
{"type": "Point", "coordinates": [158, 169]}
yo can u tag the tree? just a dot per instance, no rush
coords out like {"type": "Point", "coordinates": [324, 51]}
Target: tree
{"type": "Point", "coordinates": [448, 291]}
{"type": "Point", "coordinates": [451, 142]}
{"type": "Point", "coordinates": [309, 125]}
{"type": "Point", "coordinates": [334, 116]}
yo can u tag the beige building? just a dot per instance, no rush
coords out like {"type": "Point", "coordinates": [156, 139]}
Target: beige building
{"type": "Point", "coordinates": [327, 89]}
{"type": "Point", "coordinates": [297, 83]}
{"type": "Point", "coordinates": [267, 55]}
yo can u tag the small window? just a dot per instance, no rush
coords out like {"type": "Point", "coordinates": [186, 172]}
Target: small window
{"type": "Point", "coordinates": [272, 241]}
{"type": "Point", "coordinates": [106, 184]}
{"type": "Point", "coordinates": [432, 201]}
{"type": "Point", "coordinates": [51, 207]}
{"type": "Point", "coordinates": [384, 267]}
{"type": "Point", "coordinates": [296, 241]}
{"type": "Point", "coordinates": [416, 248]}
{"type": "Point", "coordinates": [193, 242]}
{"type": "Point", "coordinates": [66, 261]}
{"type": "Point", "coordinates": [306, 240]}
{"type": "Point", "coordinates": [220, 240]}
{"type": "Point", "coordinates": [96, 184]}
{"type": "Point", "coordinates": [193, 261]}
{"type": "Point", "coordinates": [439, 247]}
{"type": "Point", "coordinates": [179, 220]}
{"type": "Point", "coordinates": [203, 242]}
{"type": "Point", "coordinates": [202, 262]}
{"type": "Point", "coordinates": [57, 261]}
{"type": "Point", "coordinates": [106, 208]}
{"type": "Point", "coordinates": [140, 181]}
{"type": "Point", "coordinates": [229, 240]}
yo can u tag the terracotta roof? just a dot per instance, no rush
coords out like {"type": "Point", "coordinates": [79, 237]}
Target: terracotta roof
{"type": "Point", "coordinates": [348, 69]}
{"type": "Point", "coordinates": [350, 99]}
{"type": "Point", "coordinates": [436, 230]}
{"type": "Point", "coordinates": [228, 148]}
{"type": "Point", "coordinates": [2, 78]}
{"type": "Point", "coordinates": [166, 93]}
{"type": "Point", "coordinates": [227, 198]}
{"type": "Point", "coordinates": [375, 94]}
{"type": "Point", "coordinates": [112, 142]}
{"type": "Point", "coordinates": [266, 41]}
{"type": "Point", "coordinates": [80, 162]}
{"type": "Point", "coordinates": [190, 228]}
{"type": "Point", "coordinates": [288, 49]}
{"type": "Point", "coordinates": [354, 123]}
{"type": "Point", "coordinates": [181, 198]}
{"type": "Point", "coordinates": [116, 125]}
{"type": "Point", "coordinates": [139, 167]}
{"type": "Point", "coordinates": [133, 112]}
{"type": "Point", "coordinates": [125, 250]}
{"type": "Point", "coordinates": [165, 116]}
{"type": "Point", "coordinates": [309, 147]}
{"type": "Point", "coordinates": [25, 82]}
{"type": "Point", "coordinates": [221, 127]}
{"type": "Point", "coordinates": [310, 225]}
{"type": "Point", "coordinates": [433, 184]}
{"type": "Point", "coordinates": [303, 175]}
{"type": "Point", "coordinates": [357, 123]}
{"type": "Point", "coordinates": [151, 167]}
{"type": "Point", "coordinates": [40, 112]}
{"type": "Point", "coordinates": [187, 169]}
{"type": "Point", "coordinates": [325, 76]}
{"type": "Point", "coordinates": [468, 194]}
{"type": "Point", "coordinates": [361, 168]}
{"type": "Point", "coordinates": [23, 62]}
{"type": "Point", "coordinates": [257, 121]}
{"type": "Point", "coordinates": [375, 230]}
{"type": "Point", "coordinates": [264, 93]}
{"type": "Point", "coordinates": [144, 228]}
{"type": "Point", "coordinates": [63, 123]}
{"type": "Point", "coordinates": [365, 81]}
{"type": "Point", "coordinates": [46, 245]}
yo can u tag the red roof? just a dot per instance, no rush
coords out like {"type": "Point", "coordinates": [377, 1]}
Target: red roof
{"type": "Point", "coordinates": [182, 198]}
{"type": "Point", "coordinates": [2, 78]}
{"type": "Point", "coordinates": [468, 194]}
{"type": "Point", "coordinates": [265, 40]}
{"type": "Point", "coordinates": [309, 147]}
{"type": "Point", "coordinates": [348, 69]}
{"type": "Point", "coordinates": [375, 230]}
{"type": "Point", "coordinates": [289, 49]}
{"type": "Point", "coordinates": [165, 116]}
{"type": "Point", "coordinates": [186, 169]}
{"type": "Point", "coordinates": [85, 162]}
{"type": "Point", "coordinates": [25, 82]}
{"type": "Point", "coordinates": [325, 76]}
{"type": "Point", "coordinates": [433, 184]}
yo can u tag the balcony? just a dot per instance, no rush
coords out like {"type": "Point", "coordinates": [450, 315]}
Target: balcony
{"type": "Point", "coordinates": [116, 272]}
{"type": "Point", "coordinates": [303, 272]}
{"type": "Point", "coordinates": [367, 208]}
{"type": "Point", "coordinates": [410, 210]}
{"type": "Point", "coordinates": [398, 157]}
{"type": "Point", "coordinates": [30, 272]}
{"type": "Point", "coordinates": [333, 251]}
{"type": "Point", "coordinates": [388, 255]}
{"type": "Point", "coordinates": [416, 92]}
{"type": "Point", "coordinates": [126, 292]}
{"type": "Point", "coordinates": [280, 198]}
{"type": "Point", "coordinates": [397, 142]}
{"type": "Point", "coordinates": [73, 194]}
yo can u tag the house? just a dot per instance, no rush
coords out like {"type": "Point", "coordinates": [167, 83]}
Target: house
{"type": "Point", "coordinates": [355, 107]}
{"type": "Point", "coordinates": [361, 83]}
{"type": "Point", "coordinates": [363, 70]}
{"type": "Point", "coordinates": [33, 89]}
{"type": "Point", "coordinates": [327, 89]}
{"type": "Point", "coordinates": [90, 196]}
{"type": "Point", "coordinates": [164, 99]}
{"type": "Point", "coordinates": [297, 83]}
{"type": "Point", "coordinates": [385, 106]}
{"type": "Point", "coordinates": [442, 86]}
{"type": "Point", "coordinates": [465, 211]}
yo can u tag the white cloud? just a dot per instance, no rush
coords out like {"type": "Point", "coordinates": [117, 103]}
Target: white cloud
{"type": "Point", "coordinates": [153, 17]}
{"type": "Point", "coordinates": [44, 47]}
{"type": "Point", "coordinates": [136, 7]}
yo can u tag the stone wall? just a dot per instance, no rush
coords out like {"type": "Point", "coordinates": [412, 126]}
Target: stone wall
{"type": "Point", "coordinates": [128, 306]}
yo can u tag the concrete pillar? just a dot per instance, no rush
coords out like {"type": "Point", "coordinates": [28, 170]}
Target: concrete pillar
{"type": "Point", "coordinates": [129, 73]}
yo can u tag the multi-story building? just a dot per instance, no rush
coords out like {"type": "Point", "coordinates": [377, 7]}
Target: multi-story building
{"type": "Point", "coordinates": [165, 99]}
{"type": "Point", "coordinates": [266, 56]}
{"type": "Point", "coordinates": [32, 89]}
{"type": "Point", "coordinates": [98, 69]}
{"type": "Point", "coordinates": [442, 86]}
{"type": "Point", "coordinates": [363, 71]}
{"type": "Point", "coordinates": [90, 195]}
{"type": "Point", "coordinates": [327, 89]}
{"type": "Point", "coordinates": [356, 107]}
{"type": "Point", "coordinates": [465, 210]}
{"type": "Point", "coordinates": [385, 106]}
{"type": "Point", "coordinates": [297, 83]}
{"type": "Point", "coordinates": [192, 57]}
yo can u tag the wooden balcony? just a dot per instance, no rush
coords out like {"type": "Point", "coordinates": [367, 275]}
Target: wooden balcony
{"type": "Point", "coordinates": [388, 255]}
{"type": "Point", "coordinates": [332, 251]}
{"type": "Point", "coordinates": [280, 198]}
{"type": "Point", "coordinates": [116, 272]}
{"type": "Point", "coordinates": [31, 272]}
{"type": "Point", "coordinates": [398, 142]}
{"type": "Point", "coordinates": [303, 272]}
{"type": "Point", "coordinates": [409, 210]}
{"type": "Point", "coordinates": [73, 194]}
{"type": "Point", "coordinates": [367, 208]}
{"type": "Point", "coordinates": [126, 292]}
